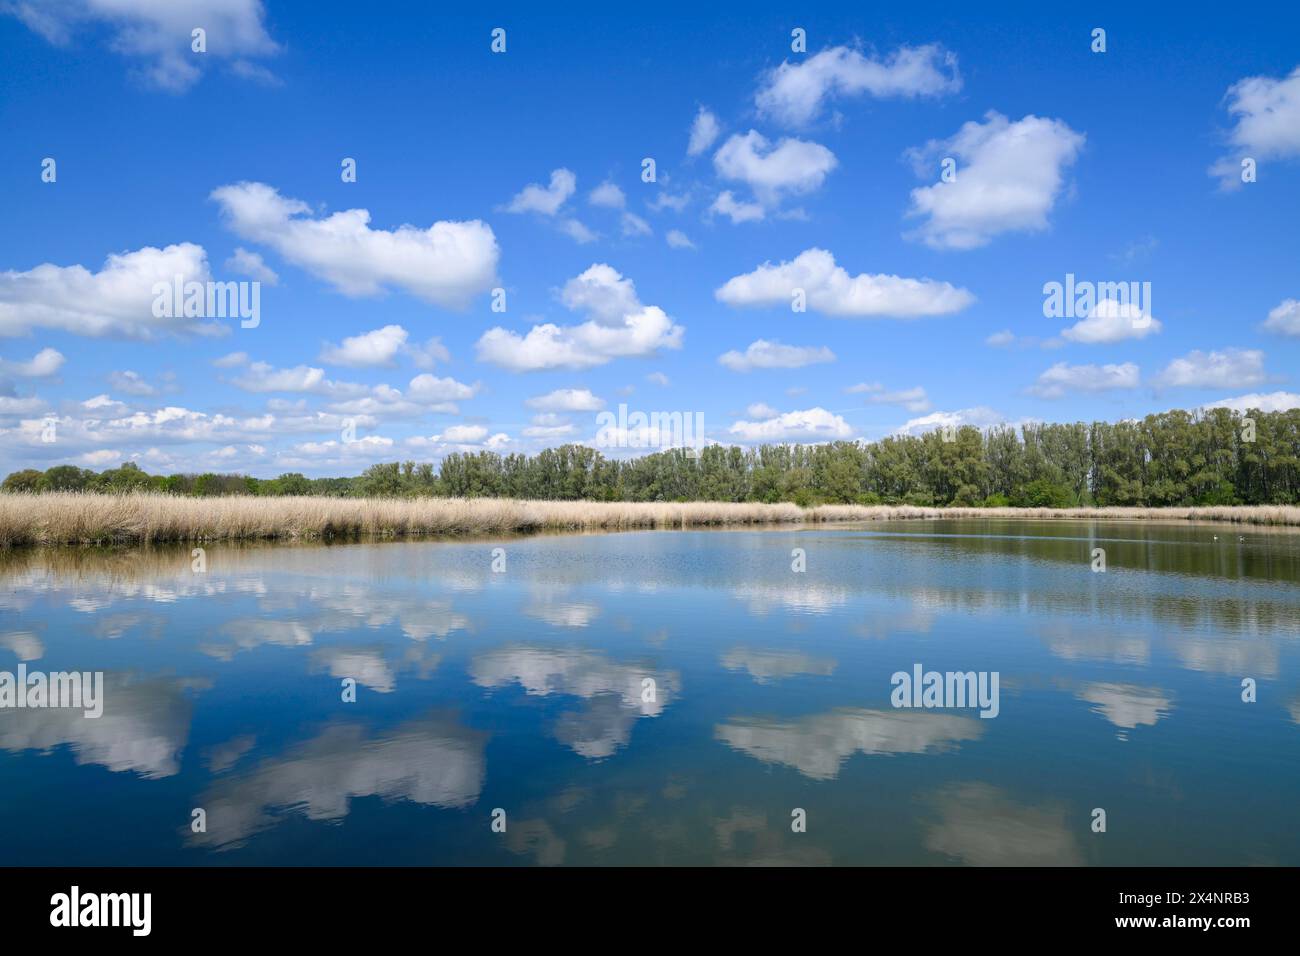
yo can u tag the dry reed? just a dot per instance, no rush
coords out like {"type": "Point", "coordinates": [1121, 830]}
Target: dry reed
{"type": "Point", "coordinates": [82, 518]}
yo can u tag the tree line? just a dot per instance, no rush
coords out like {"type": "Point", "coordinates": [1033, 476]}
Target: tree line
{"type": "Point", "coordinates": [1215, 457]}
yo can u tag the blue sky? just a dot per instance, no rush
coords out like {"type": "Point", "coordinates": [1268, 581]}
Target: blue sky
{"type": "Point", "coordinates": [816, 170]}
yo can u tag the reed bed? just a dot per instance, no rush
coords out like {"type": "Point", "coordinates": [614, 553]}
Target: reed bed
{"type": "Point", "coordinates": [86, 519]}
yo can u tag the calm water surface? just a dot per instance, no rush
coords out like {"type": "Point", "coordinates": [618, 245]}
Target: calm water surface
{"type": "Point", "coordinates": [525, 691]}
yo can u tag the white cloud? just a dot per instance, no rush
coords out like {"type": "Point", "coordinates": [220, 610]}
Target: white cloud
{"type": "Point", "coordinates": [980, 416]}
{"type": "Point", "coordinates": [263, 377]}
{"type": "Point", "coordinates": [233, 360]}
{"type": "Point", "coordinates": [608, 195]}
{"type": "Point", "coordinates": [634, 225]}
{"type": "Point", "coordinates": [159, 33]}
{"type": "Point", "coordinates": [103, 401]}
{"type": "Point", "coordinates": [761, 411]}
{"type": "Point", "coordinates": [545, 200]}
{"type": "Point", "coordinates": [608, 296]}
{"type": "Point", "coordinates": [567, 400]}
{"type": "Point", "coordinates": [677, 239]}
{"type": "Point", "coordinates": [658, 378]}
{"type": "Point", "coordinates": [447, 264]}
{"type": "Point", "coordinates": [1009, 176]}
{"type": "Point", "coordinates": [1112, 321]}
{"type": "Point", "coordinates": [792, 166]}
{"type": "Point", "coordinates": [116, 301]}
{"type": "Point", "coordinates": [737, 211]}
{"type": "Point", "coordinates": [620, 326]}
{"type": "Point", "coordinates": [1000, 339]}
{"type": "Point", "coordinates": [368, 350]}
{"type": "Point", "coordinates": [471, 434]}
{"type": "Point", "coordinates": [913, 399]}
{"type": "Point", "coordinates": [794, 93]}
{"type": "Point", "coordinates": [832, 291]}
{"type": "Point", "coordinates": [130, 383]}
{"type": "Point", "coordinates": [43, 364]}
{"type": "Point", "coordinates": [1231, 368]}
{"type": "Point", "coordinates": [578, 232]}
{"type": "Point", "coordinates": [547, 432]}
{"type": "Point", "coordinates": [1269, 402]}
{"type": "Point", "coordinates": [1267, 113]}
{"type": "Point", "coordinates": [765, 354]}
{"type": "Point", "coordinates": [1285, 318]}
{"type": "Point", "coordinates": [1062, 378]}
{"type": "Point", "coordinates": [428, 388]}
{"type": "Point", "coordinates": [666, 200]}
{"type": "Point", "coordinates": [14, 407]}
{"type": "Point", "coordinates": [813, 424]}
{"type": "Point", "coordinates": [381, 347]}
{"type": "Point", "coordinates": [704, 131]}
{"type": "Point", "coordinates": [251, 264]}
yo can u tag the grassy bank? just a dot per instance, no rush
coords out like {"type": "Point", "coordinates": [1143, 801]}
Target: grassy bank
{"type": "Point", "coordinates": [81, 518]}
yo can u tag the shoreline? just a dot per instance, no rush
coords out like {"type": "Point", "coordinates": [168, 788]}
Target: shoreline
{"type": "Point", "coordinates": [84, 519]}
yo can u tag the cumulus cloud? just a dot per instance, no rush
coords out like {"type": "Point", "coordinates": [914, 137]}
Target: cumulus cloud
{"type": "Point", "coordinates": [471, 434]}
{"type": "Point", "coordinates": [1285, 318]}
{"type": "Point", "coordinates": [1267, 124]}
{"type": "Point", "coordinates": [159, 34]}
{"type": "Point", "coordinates": [118, 300]}
{"type": "Point", "coordinates": [795, 93]}
{"type": "Point", "coordinates": [1062, 378]}
{"type": "Point", "coordinates": [677, 239]}
{"type": "Point", "coordinates": [1269, 402]}
{"type": "Point", "coordinates": [913, 399]}
{"type": "Point", "coordinates": [250, 264]}
{"type": "Point", "coordinates": [447, 264]}
{"type": "Point", "coordinates": [792, 166]}
{"type": "Point", "coordinates": [737, 210]}
{"type": "Point", "coordinates": [1127, 706]}
{"type": "Point", "coordinates": [1231, 368]}
{"type": "Point", "coordinates": [813, 424]}
{"type": "Point", "coordinates": [431, 761]}
{"type": "Point", "coordinates": [633, 225]}
{"type": "Point", "coordinates": [765, 354]}
{"type": "Point", "coordinates": [832, 291]}
{"type": "Point", "coordinates": [619, 326]}
{"type": "Point", "coordinates": [608, 195]}
{"type": "Point", "coordinates": [547, 425]}
{"type": "Point", "coordinates": [566, 400]}
{"type": "Point", "coordinates": [43, 364]}
{"type": "Point", "coordinates": [381, 347]}
{"type": "Point", "coordinates": [980, 416]}
{"type": "Point", "coordinates": [545, 200]}
{"type": "Point", "coordinates": [817, 745]}
{"type": "Point", "coordinates": [130, 383]}
{"type": "Point", "coordinates": [1009, 177]}
{"type": "Point", "coordinates": [577, 232]}
{"type": "Point", "coordinates": [704, 131]}
{"type": "Point", "coordinates": [612, 690]}
{"type": "Point", "coordinates": [765, 666]}
{"type": "Point", "coordinates": [1112, 321]}
{"type": "Point", "coordinates": [430, 388]}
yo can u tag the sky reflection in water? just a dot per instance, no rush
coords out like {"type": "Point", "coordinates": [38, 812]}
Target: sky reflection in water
{"type": "Point", "coordinates": [527, 691]}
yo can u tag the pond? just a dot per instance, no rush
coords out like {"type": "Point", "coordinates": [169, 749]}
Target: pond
{"type": "Point", "coordinates": [664, 697]}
